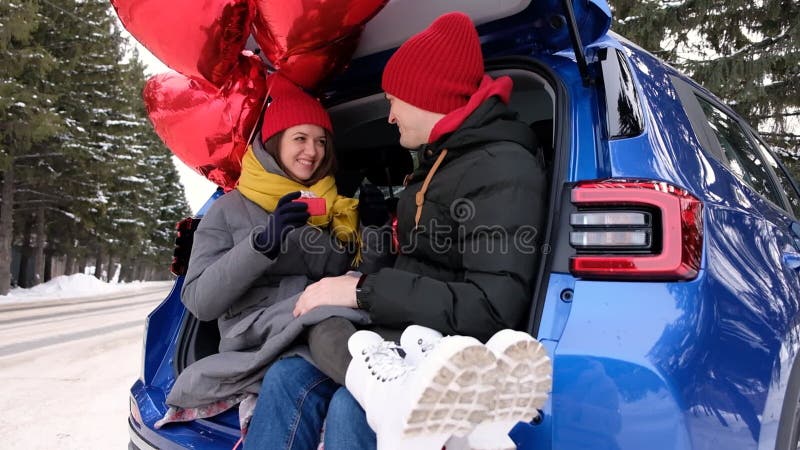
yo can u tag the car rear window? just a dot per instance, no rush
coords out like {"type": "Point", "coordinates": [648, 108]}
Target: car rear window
{"type": "Point", "coordinates": [743, 158]}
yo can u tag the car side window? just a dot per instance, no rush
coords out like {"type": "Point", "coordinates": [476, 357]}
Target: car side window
{"type": "Point", "coordinates": [783, 179]}
{"type": "Point", "coordinates": [743, 158]}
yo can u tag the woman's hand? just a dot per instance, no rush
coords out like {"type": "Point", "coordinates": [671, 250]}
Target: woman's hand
{"type": "Point", "coordinates": [287, 216]}
{"type": "Point", "coordinates": [335, 291]}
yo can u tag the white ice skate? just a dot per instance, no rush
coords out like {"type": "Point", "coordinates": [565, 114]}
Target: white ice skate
{"type": "Point", "coordinates": [524, 380]}
{"type": "Point", "coordinates": [419, 406]}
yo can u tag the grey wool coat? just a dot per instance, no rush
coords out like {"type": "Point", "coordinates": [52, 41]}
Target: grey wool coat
{"type": "Point", "coordinates": [252, 296]}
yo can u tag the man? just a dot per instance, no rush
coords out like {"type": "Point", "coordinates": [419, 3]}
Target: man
{"type": "Point", "coordinates": [479, 190]}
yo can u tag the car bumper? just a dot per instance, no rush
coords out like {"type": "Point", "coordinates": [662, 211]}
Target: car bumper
{"type": "Point", "coordinates": [147, 407]}
{"type": "Point", "coordinates": [138, 442]}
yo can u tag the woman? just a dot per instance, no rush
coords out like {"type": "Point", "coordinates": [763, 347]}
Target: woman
{"type": "Point", "coordinates": [259, 246]}
{"type": "Point", "coordinates": [295, 421]}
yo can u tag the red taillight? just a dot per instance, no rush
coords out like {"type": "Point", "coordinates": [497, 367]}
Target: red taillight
{"type": "Point", "coordinates": [634, 229]}
{"type": "Point", "coordinates": [135, 414]}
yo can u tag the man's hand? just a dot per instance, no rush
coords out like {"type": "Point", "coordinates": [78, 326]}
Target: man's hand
{"type": "Point", "coordinates": [336, 291]}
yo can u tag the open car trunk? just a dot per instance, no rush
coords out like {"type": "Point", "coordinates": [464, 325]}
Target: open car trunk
{"type": "Point", "coordinates": [368, 146]}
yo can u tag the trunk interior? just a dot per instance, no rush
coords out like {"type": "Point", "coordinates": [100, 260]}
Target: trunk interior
{"type": "Point", "coordinates": [368, 147]}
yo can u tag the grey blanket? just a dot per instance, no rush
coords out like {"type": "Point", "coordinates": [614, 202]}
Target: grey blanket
{"type": "Point", "coordinates": [230, 373]}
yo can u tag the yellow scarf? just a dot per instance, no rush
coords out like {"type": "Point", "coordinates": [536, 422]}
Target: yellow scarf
{"type": "Point", "coordinates": [265, 189]}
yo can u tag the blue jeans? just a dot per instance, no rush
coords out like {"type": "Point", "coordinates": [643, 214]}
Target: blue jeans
{"type": "Point", "coordinates": [346, 427]}
{"type": "Point", "coordinates": [291, 407]}
{"type": "Point", "coordinates": [294, 401]}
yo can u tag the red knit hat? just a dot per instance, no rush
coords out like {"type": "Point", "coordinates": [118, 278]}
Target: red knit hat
{"type": "Point", "coordinates": [439, 68]}
{"type": "Point", "coordinates": [290, 106]}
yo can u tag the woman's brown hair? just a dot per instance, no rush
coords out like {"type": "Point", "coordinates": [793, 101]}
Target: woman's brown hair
{"type": "Point", "coordinates": [327, 167]}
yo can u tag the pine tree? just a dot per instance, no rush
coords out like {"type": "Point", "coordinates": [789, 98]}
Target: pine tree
{"type": "Point", "coordinates": [68, 180]}
{"type": "Point", "coordinates": [95, 182]}
{"type": "Point", "coordinates": [747, 53]}
{"type": "Point", "coordinates": [161, 201]}
{"type": "Point", "coordinates": [93, 175]}
{"type": "Point", "coordinates": [28, 116]}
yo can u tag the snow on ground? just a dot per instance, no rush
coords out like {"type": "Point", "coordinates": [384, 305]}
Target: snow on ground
{"type": "Point", "coordinates": [71, 396]}
{"type": "Point", "coordinates": [66, 372]}
{"type": "Point", "coordinates": [70, 286]}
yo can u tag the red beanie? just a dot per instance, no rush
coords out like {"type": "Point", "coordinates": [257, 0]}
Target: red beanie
{"type": "Point", "coordinates": [438, 69]}
{"type": "Point", "coordinates": [290, 106]}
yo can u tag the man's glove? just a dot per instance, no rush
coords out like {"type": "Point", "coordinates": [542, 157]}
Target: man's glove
{"type": "Point", "coordinates": [287, 216]}
{"type": "Point", "coordinates": [372, 209]}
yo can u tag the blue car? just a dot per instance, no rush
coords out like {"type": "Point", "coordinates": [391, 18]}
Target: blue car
{"type": "Point", "coordinates": [668, 292]}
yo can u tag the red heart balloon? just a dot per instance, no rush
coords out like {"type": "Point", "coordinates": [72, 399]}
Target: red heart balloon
{"type": "Point", "coordinates": [310, 69]}
{"type": "Point", "coordinates": [311, 40]}
{"type": "Point", "coordinates": [196, 39]}
{"type": "Point", "coordinates": [208, 128]}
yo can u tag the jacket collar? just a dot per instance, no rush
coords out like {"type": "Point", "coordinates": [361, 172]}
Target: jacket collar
{"type": "Point", "coordinates": [489, 87]}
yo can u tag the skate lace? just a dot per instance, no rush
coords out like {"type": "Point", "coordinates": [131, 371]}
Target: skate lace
{"type": "Point", "coordinates": [385, 362]}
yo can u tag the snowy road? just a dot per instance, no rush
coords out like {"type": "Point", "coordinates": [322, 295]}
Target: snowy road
{"type": "Point", "coordinates": [66, 367]}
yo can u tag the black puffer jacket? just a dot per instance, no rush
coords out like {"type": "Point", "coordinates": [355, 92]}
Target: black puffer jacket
{"type": "Point", "coordinates": [468, 266]}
